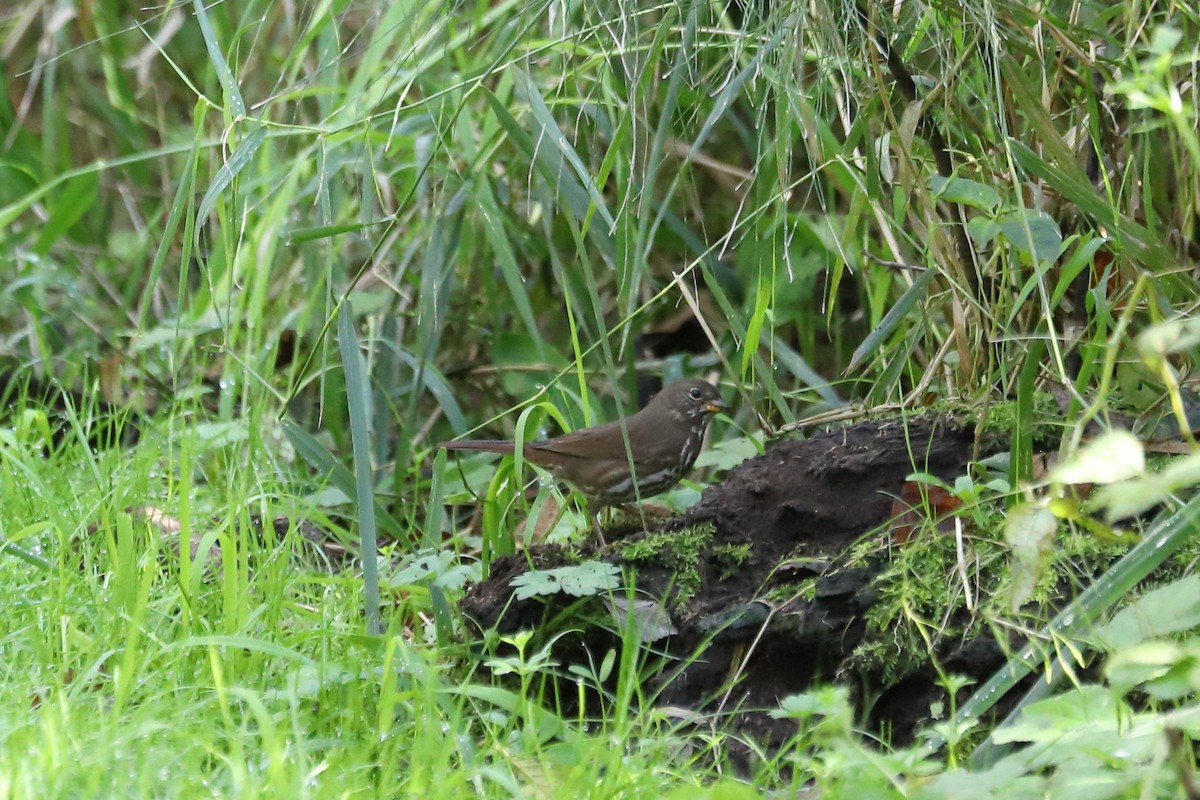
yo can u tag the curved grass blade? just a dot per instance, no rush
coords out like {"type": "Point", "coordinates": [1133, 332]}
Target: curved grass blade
{"type": "Point", "coordinates": [559, 154]}
{"type": "Point", "coordinates": [233, 95]}
{"type": "Point", "coordinates": [240, 157]}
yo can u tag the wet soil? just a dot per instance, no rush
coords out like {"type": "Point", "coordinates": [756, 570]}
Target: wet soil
{"type": "Point", "coordinates": [773, 602]}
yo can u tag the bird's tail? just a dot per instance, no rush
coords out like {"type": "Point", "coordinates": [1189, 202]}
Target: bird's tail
{"type": "Point", "coordinates": [481, 445]}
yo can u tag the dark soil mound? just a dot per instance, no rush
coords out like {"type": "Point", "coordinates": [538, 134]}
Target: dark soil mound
{"type": "Point", "coordinates": [767, 598]}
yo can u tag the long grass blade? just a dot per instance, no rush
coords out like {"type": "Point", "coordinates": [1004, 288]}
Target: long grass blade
{"type": "Point", "coordinates": [358, 393]}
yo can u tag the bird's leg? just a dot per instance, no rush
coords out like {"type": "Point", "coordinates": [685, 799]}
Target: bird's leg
{"type": "Point", "coordinates": [595, 513]}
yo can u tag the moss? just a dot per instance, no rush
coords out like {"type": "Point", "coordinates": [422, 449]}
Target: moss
{"type": "Point", "coordinates": [680, 552]}
{"type": "Point", "coordinates": [923, 606]}
{"type": "Point", "coordinates": [729, 557]}
{"type": "Point", "coordinates": [805, 589]}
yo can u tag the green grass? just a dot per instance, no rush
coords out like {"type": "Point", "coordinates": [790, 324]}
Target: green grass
{"type": "Point", "coordinates": [125, 676]}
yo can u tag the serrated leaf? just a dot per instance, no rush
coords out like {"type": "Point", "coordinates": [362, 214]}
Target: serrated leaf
{"type": "Point", "coordinates": [1029, 531]}
{"type": "Point", "coordinates": [580, 580]}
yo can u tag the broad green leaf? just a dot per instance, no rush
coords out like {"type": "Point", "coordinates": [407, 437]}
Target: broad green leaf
{"type": "Point", "coordinates": [1172, 678]}
{"type": "Point", "coordinates": [965, 191]}
{"type": "Point", "coordinates": [1165, 610]}
{"type": "Point", "coordinates": [1113, 456]}
{"type": "Point", "coordinates": [1034, 233]}
{"type": "Point", "coordinates": [1050, 719]}
{"type": "Point", "coordinates": [983, 230]}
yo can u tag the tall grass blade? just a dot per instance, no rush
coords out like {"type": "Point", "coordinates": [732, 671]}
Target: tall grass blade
{"type": "Point", "coordinates": [358, 392]}
{"type": "Point", "coordinates": [229, 85]}
{"type": "Point", "coordinates": [555, 154]}
{"type": "Point", "coordinates": [907, 302]}
{"type": "Point", "coordinates": [320, 459]}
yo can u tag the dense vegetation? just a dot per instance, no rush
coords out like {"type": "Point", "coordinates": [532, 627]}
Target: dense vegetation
{"type": "Point", "coordinates": [296, 245]}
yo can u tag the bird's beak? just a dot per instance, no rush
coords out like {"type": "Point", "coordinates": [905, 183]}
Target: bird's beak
{"type": "Point", "coordinates": [715, 407]}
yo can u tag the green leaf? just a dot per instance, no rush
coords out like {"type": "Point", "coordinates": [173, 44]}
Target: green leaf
{"type": "Point", "coordinates": [559, 162]}
{"type": "Point", "coordinates": [340, 478]}
{"type": "Point", "coordinates": [1129, 498]}
{"type": "Point", "coordinates": [581, 580]}
{"type": "Point", "coordinates": [1113, 456]}
{"type": "Point", "coordinates": [1143, 663]}
{"type": "Point", "coordinates": [1034, 233]}
{"type": "Point", "coordinates": [444, 568]}
{"type": "Point", "coordinates": [724, 789]}
{"type": "Point", "coordinates": [497, 235]}
{"type": "Point", "coordinates": [238, 160]}
{"type": "Point", "coordinates": [546, 725]}
{"type": "Point", "coordinates": [1029, 531]}
{"type": "Point", "coordinates": [1166, 338]}
{"type": "Point", "coordinates": [1165, 610]}
{"type": "Point", "coordinates": [728, 453]}
{"type": "Point", "coordinates": [67, 205]}
{"type": "Point", "coordinates": [1048, 720]}
{"type": "Point", "coordinates": [1069, 179]}
{"type": "Point", "coordinates": [358, 398]}
{"type": "Point", "coordinates": [964, 191]}
{"type": "Point", "coordinates": [983, 230]}
{"type": "Point", "coordinates": [233, 95]}
{"type": "Point", "coordinates": [243, 643]}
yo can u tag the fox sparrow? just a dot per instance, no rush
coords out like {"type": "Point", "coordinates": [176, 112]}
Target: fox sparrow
{"type": "Point", "coordinates": [664, 439]}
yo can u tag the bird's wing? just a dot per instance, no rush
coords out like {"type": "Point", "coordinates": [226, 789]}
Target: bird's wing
{"type": "Point", "coordinates": [592, 443]}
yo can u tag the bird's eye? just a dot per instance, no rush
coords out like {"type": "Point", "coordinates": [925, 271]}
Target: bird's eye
{"type": "Point", "coordinates": [695, 393]}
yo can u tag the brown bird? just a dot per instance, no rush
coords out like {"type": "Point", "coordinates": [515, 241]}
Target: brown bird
{"type": "Point", "coordinates": [664, 439]}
